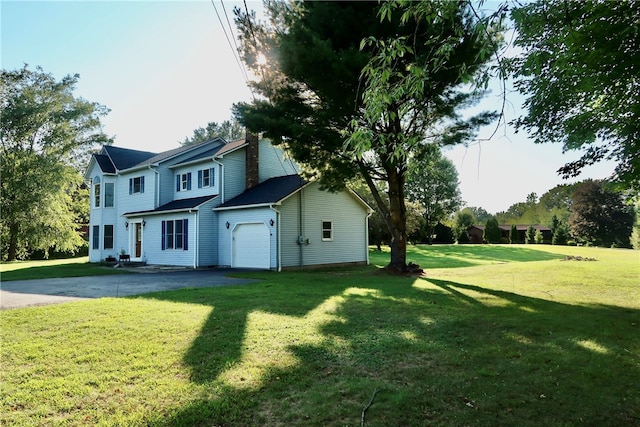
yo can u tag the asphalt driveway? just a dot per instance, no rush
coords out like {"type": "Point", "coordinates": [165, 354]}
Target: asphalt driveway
{"type": "Point", "coordinates": [24, 293]}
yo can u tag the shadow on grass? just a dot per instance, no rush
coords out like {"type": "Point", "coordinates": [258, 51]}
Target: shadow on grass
{"type": "Point", "coordinates": [438, 352]}
{"type": "Point", "coordinates": [60, 271]}
{"type": "Point", "coordinates": [454, 256]}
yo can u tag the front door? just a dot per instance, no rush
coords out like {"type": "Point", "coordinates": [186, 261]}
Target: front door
{"type": "Point", "coordinates": [138, 239]}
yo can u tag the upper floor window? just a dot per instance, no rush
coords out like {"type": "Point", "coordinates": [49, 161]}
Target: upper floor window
{"type": "Point", "coordinates": [206, 178]}
{"type": "Point", "coordinates": [96, 191]}
{"type": "Point", "coordinates": [183, 182]}
{"type": "Point", "coordinates": [96, 195]}
{"type": "Point", "coordinates": [327, 230]}
{"type": "Point", "coordinates": [108, 194]}
{"type": "Point", "coordinates": [136, 185]}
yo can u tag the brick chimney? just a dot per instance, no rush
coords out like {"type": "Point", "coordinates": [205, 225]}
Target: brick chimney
{"type": "Point", "coordinates": [252, 160]}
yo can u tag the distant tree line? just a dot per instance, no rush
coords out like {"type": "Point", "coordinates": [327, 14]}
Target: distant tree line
{"type": "Point", "coordinates": [591, 212]}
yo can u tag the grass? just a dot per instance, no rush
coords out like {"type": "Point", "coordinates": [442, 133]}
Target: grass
{"type": "Point", "coordinates": [43, 269]}
{"type": "Point", "coordinates": [499, 336]}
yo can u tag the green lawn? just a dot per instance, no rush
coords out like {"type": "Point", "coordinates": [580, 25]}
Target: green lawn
{"type": "Point", "coordinates": [71, 267]}
{"type": "Point", "coordinates": [498, 335]}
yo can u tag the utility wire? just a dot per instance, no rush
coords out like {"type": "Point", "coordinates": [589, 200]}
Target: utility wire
{"type": "Point", "coordinates": [235, 53]}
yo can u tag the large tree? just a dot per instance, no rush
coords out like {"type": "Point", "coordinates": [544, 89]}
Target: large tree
{"type": "Point", "coordinates": [229, 130]}
{"type": "Point", "coordinates": [579, 71]}
{"type": "Point", "coordinates": [599, 215]}
{"type": "Point", "coordinates": [45, 135]}
{"type": "Point", "coordinates": [432, 181]}
{"type": "Point", "coordinates": [355, 88]}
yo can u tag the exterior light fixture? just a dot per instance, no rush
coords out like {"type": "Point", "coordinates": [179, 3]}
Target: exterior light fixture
{"type": "Point", "coordinates": [227, 224]}
{"type": "Point", "coordinates": [126, 224]}
{"type": "Point", "coordinates": [271, 222]}
{"type": "Point", "coordinates": [144, 223]}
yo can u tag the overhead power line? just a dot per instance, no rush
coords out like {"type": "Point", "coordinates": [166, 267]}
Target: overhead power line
{"type": "Point", "coordinates": [234, 51]}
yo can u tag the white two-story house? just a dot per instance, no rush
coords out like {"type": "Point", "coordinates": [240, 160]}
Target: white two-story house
{"type": "Point", "coordinates": [229, 204]}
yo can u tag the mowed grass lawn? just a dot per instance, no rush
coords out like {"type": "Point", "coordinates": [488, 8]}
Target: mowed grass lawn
{"type": "Point", "coordinates": [489, 336]}
{"type": "Point", "coordinates": [42, 269]}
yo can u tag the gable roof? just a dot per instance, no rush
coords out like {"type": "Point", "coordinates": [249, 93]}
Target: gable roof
{"type": "Point", "coordinates": [125, 158]}
{"type": "Point", "coordinates": [268, 192]}
{"type": "Point", "coordinates": [175, 205]}
{"type": "Point", "coordinates": [105, 163]}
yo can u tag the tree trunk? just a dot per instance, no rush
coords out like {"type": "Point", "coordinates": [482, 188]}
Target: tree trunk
{"type": "Point", "coordinates": [397, 222]}
{"type": "Point", "coordinates": [13, 242]}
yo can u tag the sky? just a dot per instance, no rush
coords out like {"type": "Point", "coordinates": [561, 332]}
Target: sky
{"type": "Point", "coordinates": [165, 68]}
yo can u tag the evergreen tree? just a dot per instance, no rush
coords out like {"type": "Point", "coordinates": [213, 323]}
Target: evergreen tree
{"type": "Point", "coordinates": [560, 236]}
{"type": "Point", "coordinates": [492, 231]}
{"type": "Point", "coordinates": [530, 235]}
{"type": "Point", "coordinates": [398, 80]}
{"type": "Point", "coordinates": [514, 236]}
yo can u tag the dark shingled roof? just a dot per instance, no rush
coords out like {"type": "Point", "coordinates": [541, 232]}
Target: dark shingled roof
{"type": "Point", "coordinates": [105, 163]}
{"type": "Point", "coordinates": [176, 205]}
{"type": "Point", "coordinates": [125, 158]}
{"type": "Point", "coordinates": [270, 191]}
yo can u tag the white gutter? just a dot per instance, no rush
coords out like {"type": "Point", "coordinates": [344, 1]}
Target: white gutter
{"type": "Point", "coordinates": [279, 244]}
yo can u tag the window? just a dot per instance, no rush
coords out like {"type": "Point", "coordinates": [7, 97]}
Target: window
{"type": "Point", "coordinates": [108, 237]}
{"type": "Point", "coordinates": [327, 230]}
{"type": "Point", "coordinates": [108, 194]}
{"type": "Point", "coordinates": [206, 178]}
{"type": "Point", "coordinates": [175, 234]}
{"type": "Point", "coordinates": [183, 182]}
{"type": "Point", "coordinates": [96, 195]}
{"type": "Point", "coordinates": [96, 237]}
{"type": "Point", "coordinates": [136, 185]}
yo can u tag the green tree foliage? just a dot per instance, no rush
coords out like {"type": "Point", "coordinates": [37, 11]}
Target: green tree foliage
{"type": "Point", "coordinates": [461, 222]}
{"type": "Point", "coordinates": [530, 235]}
{"type": "Point", "coordinates": [432, 181]}
{"type": "Point", "coordinates": [560, 235]}
{"type": "Point", "coordinates": [378, 231]}
{"type": "Point", "coordinates": [514, 236]}
{"type": "Point", "coordinates": [480, 214]}
{"type": "Point", "coordinates": [230, 130]}
{"type": "Point", "coordinates": [44, 136]}
{"type": "Point", "coordinates": [443, 234]}
{"type": "Point", "coordinates": [492, 231]}
{"type": "Point", "coordinates": [635, 235]}
{"type": "Point", "coordinates": [599, 216]}
{"type": "Point", "coordinates": [385, 86]}
{"type": "Point", "coordinates": [579, 71]}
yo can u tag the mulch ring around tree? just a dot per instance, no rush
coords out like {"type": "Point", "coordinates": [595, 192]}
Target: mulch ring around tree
{"type": "Point", "coordinates": [578, 258]}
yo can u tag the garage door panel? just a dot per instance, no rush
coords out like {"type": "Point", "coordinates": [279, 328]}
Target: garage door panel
{"type": "Point", "coordinates": [251, 246]}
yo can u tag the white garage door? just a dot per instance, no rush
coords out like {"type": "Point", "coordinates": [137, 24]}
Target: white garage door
{"type": "Point", "coordinates": [251, 246]}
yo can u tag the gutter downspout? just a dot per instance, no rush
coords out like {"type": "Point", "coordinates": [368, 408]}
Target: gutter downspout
{"type": "Point", "coordinates": [278, 245]}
